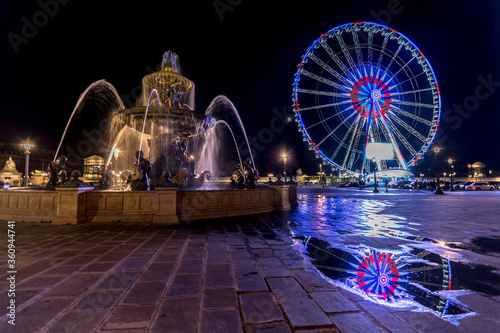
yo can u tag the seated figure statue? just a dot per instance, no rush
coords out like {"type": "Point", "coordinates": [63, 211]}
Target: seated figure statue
{"type": "Point", "coordinates": [251, 175]}
{"type": "Point", "coordinates": [141, 175]}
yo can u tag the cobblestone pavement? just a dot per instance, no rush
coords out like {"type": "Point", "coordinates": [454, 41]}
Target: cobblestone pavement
{"type": "Point", "coordinates": [234, 275]}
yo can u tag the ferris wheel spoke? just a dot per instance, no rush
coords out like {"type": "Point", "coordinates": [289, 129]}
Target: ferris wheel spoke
{"type": "Point", "coordinates": [370, 46]}
{"type": "Point", "coordinates": [342, 142]}
{"type": "Point", "coordinates": [335, 58]}
{"type": "Point", "coordinates": [324, 106]}
{"type": "Point", "coordinates": [355, 149]}
{"type": "Point", "coordinates": [412, 78]}
{"type": "Point", "coordinates": [401, 138]}
{"type": "Point", "coordinates": [336, 128]}
{"type": "Point", "coordinates": [382, 51]}
{"type": "Point", "coordinates": [397, 93]}
{"type": "Point", "coordinates": [410, 115]}
{"type": "Point", "coordinates": [422, 269]}
{"type": "Point", "coordinates": [355, 131]}
{"type": "Point", "coordinates": [421, 105]}
{"type": "Point", "coordinates": [329, 69]}
{"type": "Point", "coordinates": [323, 120]}
{"type": "Point", "coordinates": [328, 253]}
{"type": "Point", "coordinates": [430, 284]}
{"type": "Point", "coordinates": [395, 55]}
{"type": "Point", "coordinates": [345, 51]}
{"type": "Point", "coordinates": [319, 92]}
{"type": "Point", "coordinates": [325, 81]}
{"type": "Point", "coordinates": [357, 46]}
{"type": "Point", "coordinates": [407, 127]}
{"type": "Point", "coordinates": [395, 146]}
{"type": "Point", "coordinates": [403, 67]}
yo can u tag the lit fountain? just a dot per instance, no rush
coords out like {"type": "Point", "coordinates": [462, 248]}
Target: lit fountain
{"type": "Point", "coordinates": [166, 127]}
{"type": "Point", "coordinates": [161, 126]}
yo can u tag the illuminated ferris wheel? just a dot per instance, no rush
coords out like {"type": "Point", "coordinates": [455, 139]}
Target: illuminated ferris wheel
{"type": "Point", "coordinates": [363, 90]}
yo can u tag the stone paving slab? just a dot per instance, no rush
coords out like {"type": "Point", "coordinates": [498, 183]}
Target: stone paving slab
{"type": "Point", "coordinates": [235, 275]}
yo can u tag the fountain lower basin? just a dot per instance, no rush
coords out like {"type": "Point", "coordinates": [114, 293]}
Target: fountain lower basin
{"type": "Point", "coordinates": [164, 205]}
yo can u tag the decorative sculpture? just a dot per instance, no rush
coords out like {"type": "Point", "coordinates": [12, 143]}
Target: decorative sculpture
{"type": "Point", "coordinates": [141, 175]}
{"type": "Point", "coordinates": [106, 178]}
{"type": "Point", "coordinates": [251, 175]}
{"type": "Point", "coordinates": [57, 173]}
{"type": "Point", "coordinates": [75, 182]}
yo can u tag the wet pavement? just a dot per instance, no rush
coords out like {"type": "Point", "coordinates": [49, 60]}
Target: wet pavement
{"type": "Point", "coordinates": [345, 260]}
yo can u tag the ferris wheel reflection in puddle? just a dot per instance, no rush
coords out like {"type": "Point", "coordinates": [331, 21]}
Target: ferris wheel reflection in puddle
{"type": "Point", "coordinates": [412, 277]}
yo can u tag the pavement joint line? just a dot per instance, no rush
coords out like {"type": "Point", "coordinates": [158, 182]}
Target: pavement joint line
{"type": "Point", "coordinates": [125, 291]}
{"type": "Point", "coordinates": [156, 315]}
{"type": "Point", "coordinates": [77, 300]}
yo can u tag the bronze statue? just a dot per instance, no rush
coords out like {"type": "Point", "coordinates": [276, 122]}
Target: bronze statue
{"type": "Point", "coordinates": [141, 174]}
{"type": "Point", "coordinates": [251, 175]}
{"type": "Point", "coordinates": [106, 179]}
{"type": "Point", "coordinates": [57, 173]}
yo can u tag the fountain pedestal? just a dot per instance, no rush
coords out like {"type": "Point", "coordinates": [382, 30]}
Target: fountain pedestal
{"type": "Point", "coordinates": [167, 205]}
{"type": "Point", "coordinates": [281, 197]}
{"type": "Point", "coordinates": [71, 205]}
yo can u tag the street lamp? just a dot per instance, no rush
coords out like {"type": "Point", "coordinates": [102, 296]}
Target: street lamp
{"type": "Point", "coordinates": [321, 175]}
{"type": "Point", "coordinates": [375, 190]}
{"type": "Point", "coordinates": [438, 188]}
{"type": "Point", "coordinates": [450, 162]}
{"type": "Point", "coordinates": [27, 151]}
{"type": "Point", "coordinates": [284, 165]}
{"type": "Point", "coordinates": [115, 155]}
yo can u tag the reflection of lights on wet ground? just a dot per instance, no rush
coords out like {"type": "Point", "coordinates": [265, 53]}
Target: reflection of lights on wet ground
{"type": "Point", "coordinates": [352, 228]}
{"type": "Point", "coordinates": [409, 278]}
{"type": "Point", "coordinates": [362, 217]}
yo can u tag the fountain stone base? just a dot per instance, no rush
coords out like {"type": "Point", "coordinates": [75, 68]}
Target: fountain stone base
{"type": "Point", "coordinates": [164, 205]}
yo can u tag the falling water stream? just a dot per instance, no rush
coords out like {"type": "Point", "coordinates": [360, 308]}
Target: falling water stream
{"type": "Point", "coordinates": [224, 100]}
{"type": "Point", "coordinates": [96, 85]}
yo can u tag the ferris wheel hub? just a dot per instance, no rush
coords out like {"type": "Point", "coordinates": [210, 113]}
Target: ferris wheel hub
{"type": "Point", "coordinates": [376, 95]}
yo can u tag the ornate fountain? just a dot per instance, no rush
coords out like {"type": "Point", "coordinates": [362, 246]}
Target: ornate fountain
{"type": "Point", "coordinates": [160, 126]}
{"type": "Point", "coordinates": [158, 139]}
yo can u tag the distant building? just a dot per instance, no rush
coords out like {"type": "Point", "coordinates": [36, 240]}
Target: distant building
{"type": "Point", "coordinates": [477, 169]}
{"type": "Point", "coordinates": [92, 167]}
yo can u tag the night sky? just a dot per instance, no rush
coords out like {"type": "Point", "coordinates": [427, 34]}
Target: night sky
{"type": "Point", "coordinates": [246, 50]}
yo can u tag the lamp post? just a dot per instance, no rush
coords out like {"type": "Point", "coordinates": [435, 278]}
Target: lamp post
{"type": "Point", "coordinates": [450, 162]}
{"type": "Point", "coordinates": [438, 188]}
{"type": "Point", "coordinates": [284, 165]}
{"type": "Point", "coordinates": [321, 175]}
{"type": "Point", "coordinates": [27, 152]}
{"type": "Point", "coordinates": [375, 190]}
{"type": "Point", "coordinates": [115, 155]}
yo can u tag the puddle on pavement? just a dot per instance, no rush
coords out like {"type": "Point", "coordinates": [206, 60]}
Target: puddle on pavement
{"type": "Point", "coordinates": [415, 276]}
{"type": "Point", "coordinates": [405, 276]}
{"type": "Point", "coordinates": [481, 245]}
